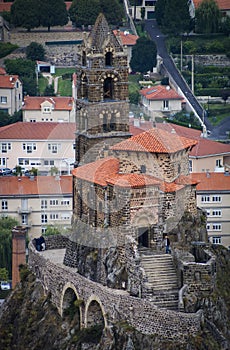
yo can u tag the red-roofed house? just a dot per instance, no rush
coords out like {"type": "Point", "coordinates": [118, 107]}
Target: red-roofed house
{"type": "Point", "coordinates": [37, 202]}
{"type": "Point", "coordinates": [161, 100]}
{"type": "Point", "coordinates": [10, 93]}
{"type": "Point", "coordinates": [39, 145]}
{"type": "Point", "coordinates": [213, 195]}
{"type": "Point", "coordinates": [224, 6]}
{"type": "Point", "coordinates": [48, 109]}
{"type": "Point", "coordinates": [128, 40]}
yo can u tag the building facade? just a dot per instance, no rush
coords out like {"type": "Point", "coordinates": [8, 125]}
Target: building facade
{"type": "Point", "coordinates": [47, 146]}
{"type": "Point", "coordinates": [48, 109]}
{"type": "Point", "coordinates": [37, 202]}
{"type": "Point", "coordinates": [10, 93]}
{"type": "Point", "coordinates": [213, 196]}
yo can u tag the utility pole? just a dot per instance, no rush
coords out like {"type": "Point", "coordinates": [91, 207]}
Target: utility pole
{"type": "Point", "coordinates": [181, 55]}
{"type": "Point", "coordinates": [192, 74]}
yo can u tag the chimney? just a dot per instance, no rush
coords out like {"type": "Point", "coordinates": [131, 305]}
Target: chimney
{"type": "Point", "coordinates": [18, 252]}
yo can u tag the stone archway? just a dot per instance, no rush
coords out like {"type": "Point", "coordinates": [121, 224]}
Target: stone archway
{"type": "Point", "coordinates": [144, 223]}
{"type": "Point", "coordinates": [71, 305]}
{"type": "Point", "coordinates": [95, 313]}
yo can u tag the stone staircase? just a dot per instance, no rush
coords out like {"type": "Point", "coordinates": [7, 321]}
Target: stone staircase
{"type": "Point", "coordinates": [162, 284]}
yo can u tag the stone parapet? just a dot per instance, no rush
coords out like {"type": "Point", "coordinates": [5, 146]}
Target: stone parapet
{"type": "Point", "coordinates": [117, 304]}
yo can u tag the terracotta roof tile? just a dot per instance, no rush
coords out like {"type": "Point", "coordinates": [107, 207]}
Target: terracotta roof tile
{"type": "Point", "coordinates": [5, 6]}
{"type": "Point", "coordinates": [8, 81]}
{"type": "Point", "coordinates": [58, 103]}
{"type": "Point", "coordinates": [38, 131]}
{"type": "Point", "coordinates": [41, 185]}
{"type": "Point", "coordinates": [222, 4]}
{"type": "Point", "coordinates": [212, 181]}
{"type": "Point", "coordinates": [160, 92]}
{"type": "Point", "coordinates": [2, 71]}
{"type": "Point", "coordinates": [204, 146]}
{"type": "Point", "coordinates": [97, 172]}
{"type": "Point", "coordinates": [126, 38]}
{"type": "Point", "coordinates": [105, 171]}
{"type": "Point", "coordinates": [132, 180]}
{"type": "Point", "coordinates": [155, 141]}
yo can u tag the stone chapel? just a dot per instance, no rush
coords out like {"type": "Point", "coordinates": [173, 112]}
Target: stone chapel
{"type": "Point", "coordinates": [129, 191]}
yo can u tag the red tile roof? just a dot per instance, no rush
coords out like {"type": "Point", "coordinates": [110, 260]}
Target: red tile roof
{"type": "Point", "coordinates": [5, 6]}
{"type": "Point", "coordinates": [97, 172]}
{"type": "Point", "coordinates": [8, 81]}
{"type": "Point", "coordinates": [126, 38]}
{"type": "Point", "coordinates": [38, 131]}
{"type": "Point", "coordinates": [59, 103]}
{"type": "Point", "coordinates": [106, 171]}
{"type": "Point", "coordinates": [212, 181]}
{"type": "Point", "coordinates": [160, 92]}
{"type": "Point", "coordinates": [204, 147]}
{"type": "Point", "coordinates": [222, 4]}
{"type": "Point", "coordinates": [155, 141]}
{"type": "Point", "coordinates": [41, 185]}
{"type": "Point", "coordinates": [2, 71]}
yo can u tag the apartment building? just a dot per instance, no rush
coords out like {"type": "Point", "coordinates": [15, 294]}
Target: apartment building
{"type": "Point", "coordinates": [48, 109]}
{"type": "Point", "coordinates": [10, 93]}
{"type": "Point", "coordinates": [42, 145]}
{"type": "Point", "coordinates": [37, 202]}
{"type": "Point", "coordinates": [213, 195]}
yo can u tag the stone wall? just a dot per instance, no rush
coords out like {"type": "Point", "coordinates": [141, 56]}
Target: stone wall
{"type": "Point", "coordinates": [117, 305]}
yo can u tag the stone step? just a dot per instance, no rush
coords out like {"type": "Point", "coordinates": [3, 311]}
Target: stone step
{"type": "Point", "coordinates": [162, 283]}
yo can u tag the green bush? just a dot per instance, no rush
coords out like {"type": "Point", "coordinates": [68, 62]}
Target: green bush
{"type": "Point", "coordinates": [6, 49]}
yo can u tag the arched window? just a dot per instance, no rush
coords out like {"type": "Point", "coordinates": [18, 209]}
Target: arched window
{"type": "Point", "coordinates": [108, 89]}
{"type": "Point", "coordinates": [108, 58]}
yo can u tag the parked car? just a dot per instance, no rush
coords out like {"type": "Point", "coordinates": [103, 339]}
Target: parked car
{"type": "Point", "coordinates": [5, 285]}
{"type": "Point", "coordinates": [5, 171]}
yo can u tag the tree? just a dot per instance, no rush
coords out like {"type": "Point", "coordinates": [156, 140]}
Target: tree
{"type": "Point", "coordinates": [143, 55]}
{"type": "Point", "coordinates": [84, 12]}
{"type": "Point", "coordinates": [26, 70]}
{"type": "Point", "coordinates": [49, 91]}
{"type": "Point", "coordinates": [24, 13]}
{"type": "Point", "coordinates": [225, 93]}
{"type": "Point", "coordinates": [6, 226]}
{"type": "Point", "coordinates": [207, 17]}
{"type": "Point", "coordinates": [52, 13]}
{"type": "Point", "coordinates": [112, 10]}
{"type": "Point", "coordinates": [173, 16]}
{"type": "Point", "coordinates": [35, 52]}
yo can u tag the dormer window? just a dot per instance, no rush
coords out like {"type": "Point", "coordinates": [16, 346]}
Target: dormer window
{"type": "Point", "coordinates": [46, 110]}
{"type": "Point", "coordinates": [108, 59]}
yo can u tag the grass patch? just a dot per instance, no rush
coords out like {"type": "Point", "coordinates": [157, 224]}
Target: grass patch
{"type": "Point", "coordinates": [64, 87]}
{"type": "Point", "coordinates": [217, 112]}
{"type": "Point", "coordinates": [42, 84]}
{"type": "Point", "coordinates": [61, 71]}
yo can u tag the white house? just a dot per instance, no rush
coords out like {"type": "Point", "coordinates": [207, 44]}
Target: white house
{"type": "Point", "coordinates": [161, 100]}
{"type": "Point", "coordinates": [48, 109]}
{"type": "Point", "coordinates": [10, 93]}
{"type": "Point", "coordinates": [39, 145]}
{"type": "Point", "coordinates": [37, 202]}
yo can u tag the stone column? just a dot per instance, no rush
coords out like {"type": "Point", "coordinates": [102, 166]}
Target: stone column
{"type": "Point", "coordinates": [18, 252]}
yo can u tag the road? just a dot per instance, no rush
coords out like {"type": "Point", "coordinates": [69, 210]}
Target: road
{"type": "Point", "coordinates": [159, 38]}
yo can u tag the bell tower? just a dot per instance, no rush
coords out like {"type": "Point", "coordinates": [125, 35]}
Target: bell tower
{"type": "Point", "coordinates": [102, 105]}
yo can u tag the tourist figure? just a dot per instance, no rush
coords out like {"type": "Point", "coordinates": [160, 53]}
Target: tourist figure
{"type": "Point", "coordinates": [167, 245]}
{"type": "Point", "coordinates": [40, 243]}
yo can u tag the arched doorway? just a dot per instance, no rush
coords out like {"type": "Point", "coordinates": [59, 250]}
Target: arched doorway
{"type": "Point", "coordinates": [143, 237]}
